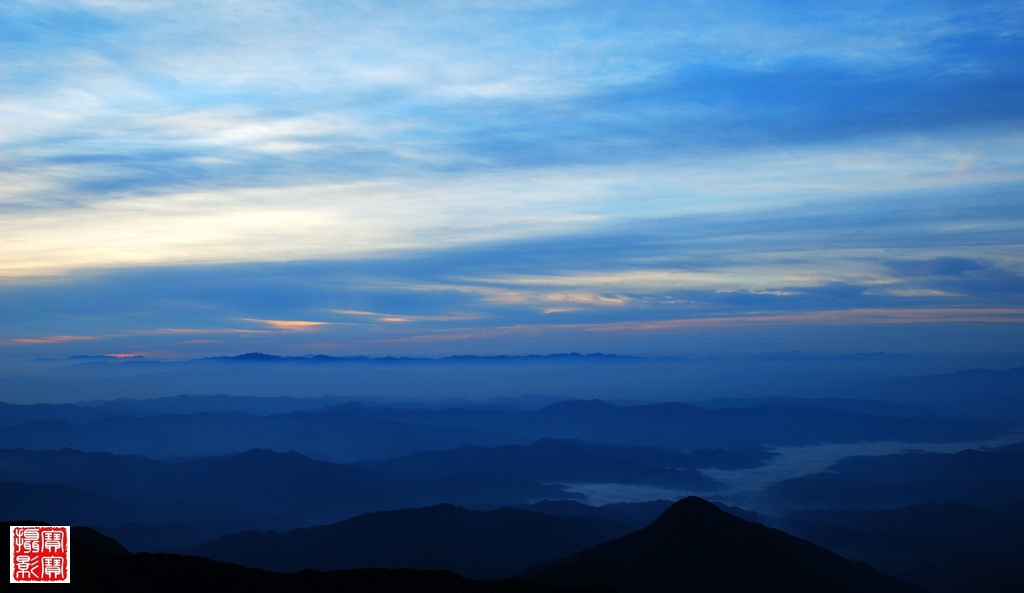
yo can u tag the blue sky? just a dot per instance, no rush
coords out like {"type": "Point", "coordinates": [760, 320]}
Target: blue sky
{"type": "Point", "coordinates": [190, 178]}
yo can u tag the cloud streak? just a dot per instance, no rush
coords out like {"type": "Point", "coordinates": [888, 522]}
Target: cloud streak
{"type": "Point", "coordinates": [367, 173]}
{"type": "Point", "coordinates": [400, 216]}
{"type": "Point", "coordinates": [289, 325]}
{"type": "Point", "coordinates": [52, 339]}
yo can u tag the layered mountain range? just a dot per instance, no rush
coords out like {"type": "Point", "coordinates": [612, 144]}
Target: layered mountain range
{"type": "Point", "coordinates": [288, 484]}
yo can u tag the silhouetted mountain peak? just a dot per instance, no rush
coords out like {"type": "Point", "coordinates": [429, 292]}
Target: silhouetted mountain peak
{"type": "Point", "coordinates": [690, 511]}
{"type": "Point", "coordinates": [698, 516]}
{"type": "Point", "coordinates": [696, 547]}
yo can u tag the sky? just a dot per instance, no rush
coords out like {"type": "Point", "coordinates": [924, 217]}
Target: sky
{"type": "Point", "coordinates": [187, 178]}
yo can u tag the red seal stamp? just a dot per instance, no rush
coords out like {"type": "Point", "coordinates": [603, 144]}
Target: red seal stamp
{"type": "Point", "coordinates": [40, 554]}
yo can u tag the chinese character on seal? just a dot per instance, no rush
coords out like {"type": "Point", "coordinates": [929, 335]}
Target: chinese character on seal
{"type": "Point", "coordinates": [40, 554]}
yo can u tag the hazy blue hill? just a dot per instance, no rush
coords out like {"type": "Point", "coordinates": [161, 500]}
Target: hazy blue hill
{"type": "Point", "coordinates": [684, 427]}
{"type": "Point", "coordinates": [260, 481]}
{"type": "Point", "coordinates": [472, 543]}
{"type": "Point", "coordinates": [122, 476]}
{"type": "Point", "coordinates": [858, 406]}
{"type": "Point", "coordinates": [14, 414]}
{"type": "Point", "coordinates": [695, 546]}
{"type": "Point", "coordinates": [723, 459]}
{"type": "Point", "coordinates": [90, 411]}
{"type": "Point", "coordinates": [969, 464]}
{"type": "Point", "coordinates": [970, 476]}
{"type": "Point", "coordinates": [574, 508]}
{"type": "Point", "coordinates": [549, 460]}
{"type": "Point", "coordinates": [981, 393]}
{"type": "Point", "coordinates": [476, 490]}
{"type": "Point", "coordinates": [257, 483]}
{"type": "Point", "coordinates": [872, 377]}
{"type": "Point", "coordinates": [636, 514]}
{"type": "Point", "coordinates": [827, 490]}
{"type": "Point", "coordinates": [251, 484]}
{"type": "Point", "coordinates": [1014, 447]}
{"type": "Point", "coordinates": [192, 404]}
{"type": "Point", "coordinates": [354, 432]}
{"type": "Point", "coordinates": [338, 435]}
{"type": "Point", "coordinates": [947, 547]}
{"type": "Point", "coordinates": [130, 521]}
{"type": "Point", "coordinates": [60, 505]}
{"type": "Point", "coordinates": [148, 534]}
{"type": "Point", "coordinates": [157, 505]}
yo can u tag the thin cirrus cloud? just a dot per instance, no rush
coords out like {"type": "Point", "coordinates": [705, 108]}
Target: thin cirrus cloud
{"type": "Point", "coordinates": [373, 217]}
{"type": "Point", "coordinates": [277, 171]}
{"type": "Point", "coordinates": [852, 316]}
{"type": "Point", "coordinates": [289, 325]}
{"type": "Point", "coordinates": [395, 318]}
{"type": "Point", "coordinates": [52, 339]}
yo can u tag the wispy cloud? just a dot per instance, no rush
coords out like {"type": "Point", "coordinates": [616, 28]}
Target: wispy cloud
{"type": "Point", "coordinates": [939, 266]}
{"type": "Point", "coordinates": [51, 339]}
{"type": "Point", "coordinates": [461, 167]}
{"type": "Point", "coordinates": [400, 216]}
{"type": "Point", "coordinates": [396, 318]}
{"type": "Point", "coordinates": [289, 325]}
{"type": "Point", "coordinates": [637, 330]}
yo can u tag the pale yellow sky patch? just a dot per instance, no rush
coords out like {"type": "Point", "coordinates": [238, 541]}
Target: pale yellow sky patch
{"type": "Point", "coordinates": [378, 217]}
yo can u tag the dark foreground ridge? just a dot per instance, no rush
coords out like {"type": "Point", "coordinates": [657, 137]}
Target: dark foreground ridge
{"type": "Point", "coordinates": [101, 564]}
{"type": "Point", "coordinates": [693, 547]}
{"type": "Point", "coordinates": [476, 544]}
{"type": "Point", "coordinates": [696, 547]}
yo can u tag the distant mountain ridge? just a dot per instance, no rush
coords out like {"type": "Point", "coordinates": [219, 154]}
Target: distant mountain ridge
{"type": "Point", "coordinates": [988, 394]}
{"type": "Point", "coordinates": [258, 488]}
{"type": "Point", "coordinates": [264, 357]}
{"type": "Point", "coordinates": [555, 460]}
{"type": "Point", "coordinates": [273, 488]}
{"type": "Point", "coordinates": [351, 432]}
{"type": "Point", "coordinates": [979, 477]}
